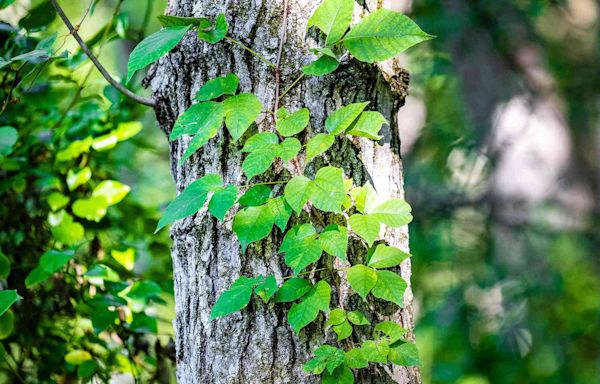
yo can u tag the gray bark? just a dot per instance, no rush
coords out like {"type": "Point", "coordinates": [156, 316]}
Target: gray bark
{"type": "Point", "coordinates": [257, 345]}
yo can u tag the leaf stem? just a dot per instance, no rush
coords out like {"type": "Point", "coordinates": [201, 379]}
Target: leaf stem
{"type": "Point", "coordinates": [291, 86]}
{"type": "Point", "coordinates": [103, 71]}
{"type": "Point", "coordinates": [258, 55]}
{"type": "Point", "coordinates": [264, 183]}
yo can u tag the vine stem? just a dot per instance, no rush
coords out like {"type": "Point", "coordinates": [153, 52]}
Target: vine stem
{"type": "Point", "coordinates": [312, 271]}
{"type": "Point", "coordinates": [288, 89]}
{"type": "Point", "coordinates": [103, 71]}
{"type": "Point", "coordinates": [258, 55]}
{"type": "Point", "coordinates": [264, 183]}
{"type": "Point", "coordinates": [282, 35]}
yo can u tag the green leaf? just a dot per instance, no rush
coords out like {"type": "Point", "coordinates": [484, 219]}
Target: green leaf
{"type": "Point", "coordinates": [301, 247]}
{"type": "Point", "coordinates": [102, 318]}
{"type": "Point", "coordinates": [341, 375]}
{"type": "Point", "coordinates": [75, 149]}
{"type": "Point", "coordinates": [53, 260]}
{"type": "Point", "coordinates": [405, 354]}
{"type": "Point", "coordinates": [264, 141]}
{"type": "Point", "coordinates": [112, 191]}
{"type": "Point", "coordinates": [382, 35]}
{"type": "Point", "coordinates": [258, 162]}
{"type": "Point", "coordinates": [172, 21]}
{"type": "Point", "coordinates": [391, 329]}
{"type": "Point", "coordinates": [8, 138]}
{"type": "Point", "coordinates": [355, 359]}
{"type": "Point", "coordinates": [217, 33]}
{"type": "Point", "coordinates": [218, 87]}
{"type": "Point", "coordinates": [86, 369]}
{"type": "Point", "coordinates": [126, 130]}
{"type": "Point", "coordinates": [105, 142]}
{"type": "Point", "coordinates": [297, 192]}
{"type": "Point", "coordinates": [303, 313]}
{"type": "Point", "coordinates": [368, 125]}
{"type": "Point", "coordinates": [233, 299]}
{"type": "Point", "coordinates": [324, 65]}
{"type": "Point", "coordinates": [333, 18]}
{"type": "Point", "coordinates": [36, 276]}
{"type": "Point", "coordinates": [255, 196]}
{"type": "Point", "coordinates": [326, 357]}
{"type": "Point", "coordinates": [289, 148]}
{"type": "Point", "coordinates": [126, 258]}
{"type": "Point", "coordinates": [343, 330]}
{"type": "Point", "coordinates": [394, 213]}
{"type": "Point", "coordinates": [154, 47]}
{"type": "Point", "coordinates": [280, 211]}
{"type": "Point", "coordinates": [289, 124]}
{"type": "Point", "coordinates": [358, 318]}
{"type": "Point", "coordinates": [65, 229]}
{"type": "Point", "coordinates": [240, 112]}
{"type": "Point", "coordinates": [77, 179]}
{"type": "Point", "coordinates": [365, 226]}
{"type": "Point", "coordinates": [77, 357]}
{"type": "Point", "coordinates": [102, 272]}
{"type": "Point", "coordinates": [376, 352]}
{"type": "Point", "coordinates": [334, 240]}
{"type": "Point", "coordinates": [4, 266]}
{"type": "Point", "coordinates": [390, 286]}
{"type": "Point", "coordinates": [318, 145]}
{"type": "Point", "coordinates": [328, 192]}
{"type": "Point", "coordinates": [9, 297]}
{"type": "Point", "coordinates": [292, 290]}
{"type": "Point", "coordinates": [386, 257]}
{"type": "Point", "coordinates": [7, 325]}
{"type": "Point", "coordinates": [222, 200]}
{"type": "Point", "coordinates": [57, 200]}
{"type": "Point", "coordinates": [202, 119]}
{"type": "Point", "coordinates": [253, 224]}
{"type": "Point", "coordinates": [362, 279]}
{"type": "Point", "coordinates": [145, 291]}
{"type": "Point", "coordinates": [340, 120]}
{"type": "Point", "coordinates": [191, 200]}
{"type": "Point", "coordinates": [266, 289]}
{"type": "Point", "coordinates": [93, 209]}
{"type": "Point", "coordinates": [336, 317]}
{"type": "Point", "coordinates": [365, 198]}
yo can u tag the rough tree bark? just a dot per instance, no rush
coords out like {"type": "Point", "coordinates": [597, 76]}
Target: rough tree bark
{"type": "Point", "coordinates": [257, 345]}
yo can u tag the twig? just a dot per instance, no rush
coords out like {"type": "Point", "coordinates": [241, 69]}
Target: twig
{"type": "Point", "coordinates": [258, 55]}
{"type": "Point", "coordinates": [279, 54]}
{"type": "Point", "coordinates": [103, 71]}
{"type": "Point", "coordinates": [291, 86]}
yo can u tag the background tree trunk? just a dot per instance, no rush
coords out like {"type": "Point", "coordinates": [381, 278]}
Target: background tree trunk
{"type": "Point", "coordinates": [257, 345]}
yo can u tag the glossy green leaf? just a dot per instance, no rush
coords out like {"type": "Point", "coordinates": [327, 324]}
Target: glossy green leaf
{"type": "Point", "coordinates": [233, 299]}
{"type": "Point", "coordinates": [10, 296]}
{"type": "Point", "coordinates": [365, 226]}
{"type": "Point", "coordinates": [86, 369]}
{"type": "Point", "coordinates": [154, 47]}
{"type": "Point", "coordinates": [190, 200]}
{"type": "Point", "coordinates": [105, 142]}
{"type": "Point", "coordinates": [301, 247]}
{"type": "Point", "coordinates": [77, 179]}
{"type": "Point", "coordinates": [222, 200]}
{"type": "Point", "coordinates": [217, 33]}
{"type": "Point", "coordinates": [394, 213]}
{"type": "Point", "coordinates": [341, 375]}
{"type": "Point", "coordinates": [333, 18]}
{"type": "Point", "coordinates": [405, 354]}
{"type": "Point", "coordinates": [385, 257]}
{"type": "Point", "coordinates": [343, 330]}
{"type": "Point", "coordinates": [334, 240]}
{"type": "Point", "coordinates": [340, 120]}
{"type": "Point", "coordinates": [145, 290]}
{"type": "Point", "coordinates": [362, 279]}
{"type": "Point", "coordinates": [240, 112]}
{"type": "Point", "coordinates": [358, 318]}
{"type": "Point", "coordinates": [57, 200]}
{"type": "Point", "coordinates": [36, 276]}
{"type": "Point", "coordinates": [390, 287]}
{"type": "Point", "coordinates": [328, 190]}
{"type": "Point", "coordinates": [217, 87]}
{"type": "Point", "coordinates": [202, 119]}
{"type": "Point", "coordinates": [93, 209]}
{"type": "Point", "coordinates": [382, 35]}
{"type": "Point", "coordinates": [368, 125]}
{"type": "Point", "coordinates": [376, 352]}
{"type": "Point", "coordinates": [75, 149]}
{"type": "Point", "coordinates": [126, 258]}
{"type": "Point", "coordinates": [303, 313]}
{"type": "Point", "coordinates": [280, 211]}
{"type": "Point", "coordinates": [292, 290]}
{"type": "Point", "coordinates": [324, 65]}
{"type": "Point", "coordinates": [126, 130]}
{"type": "Point", "coordinates": [354, 358]}
{"type": "Point", "coordinates": [266, 289]}
{"type": "Point", "coordinates": [365, 198]}
{"type": "Point", "coordinates": [297, 192]}
{"type": "Point", "coordinates": [7, 325]}
{"type": "Point", "coordinates": [102, 272]}
{"type": "Point", "coordinates": [8, 138]}
{"type": "Point", "coordinates": [326, 357]}
{"type": "Point", "coordinates": [111, 190]}
{"type": "Point", "coordinates": [289, 148]}
{"type": "Point", "coordinates": [64, 229]}
{"type": "Point", "coordinates": [289, 124]}
{"type": "Point", "coordinates": [77, 357]}
{"type": "Point", "coordinates": [258, 162]}
{"type": "Point", "coordinates": [255, 196]}
{"type": "Point", "coordinates": [318, 145]}
{"type": "Point", "coordinates": [392, 330]}
{"type": "Point", "coordinates": [253, 224]}
{"type": "Point", "coordinates": [53, 260]}
{"type": "Point", "coordinates": [172, 21]}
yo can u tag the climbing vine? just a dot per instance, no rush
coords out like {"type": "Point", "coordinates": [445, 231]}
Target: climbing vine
{"type": "Point", "coordinates": [329, 207]}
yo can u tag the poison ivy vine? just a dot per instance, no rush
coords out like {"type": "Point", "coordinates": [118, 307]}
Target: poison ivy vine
{"type": "Point", "coordinates": [351, 210]}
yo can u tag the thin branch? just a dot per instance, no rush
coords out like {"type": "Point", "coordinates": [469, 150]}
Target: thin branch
{"type": "Point", "coordinates": [103, 71]}
{"type": "Point", "coordinates": [279, 54]}
{"type": "Point", "coordinates": [258, 55]}
{"type": "Point", "coordinates": [291, 86]}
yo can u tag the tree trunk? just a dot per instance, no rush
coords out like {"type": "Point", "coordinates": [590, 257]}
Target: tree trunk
{"type": "Point", "coordinates": [257, 345]}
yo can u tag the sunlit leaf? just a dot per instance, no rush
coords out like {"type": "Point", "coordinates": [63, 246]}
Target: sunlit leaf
{"type": "Point", "coordinates": [333, 18]}
{"type": "Point", "coordinates": [240, 112]}
{"type": "Point", "coordinates": [341, 119]}
{"type": "Point", "coordinates": [362, 279]}
{"type": "Point", "coordinates": [289, 124]}
{"type": "Point", "coordinates": [217, 87]}
{"type": "Point", "coordinates": [390, 287]}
